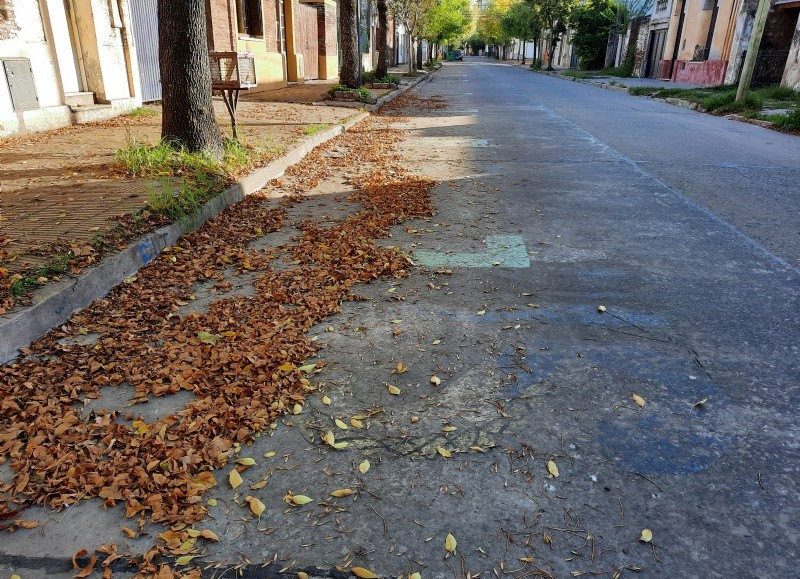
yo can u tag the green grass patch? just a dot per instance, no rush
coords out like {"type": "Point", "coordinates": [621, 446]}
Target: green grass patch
{"type": "Point", "coordinates": [721, 100]}
{"type": "Point", "coordinates": [315, 128]}
{"type": "Point", "coordinates": [144, 112]}
{"type": "Point", "coordinates": [369, 76]}
{"type": "Point", "coordinates": [578, 74]}
{"type": "Point", "coordinates": [788, 122]}
{"type": "Point", "coordinates": [725, 103]}
{"type": "Point", "coordinates": [57, 265]}
{"type": "Point", "coordinates": [189, 179]}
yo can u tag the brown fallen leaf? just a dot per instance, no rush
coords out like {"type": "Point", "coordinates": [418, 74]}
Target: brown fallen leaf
{"type": "Point", "coordinates": [638, 399]}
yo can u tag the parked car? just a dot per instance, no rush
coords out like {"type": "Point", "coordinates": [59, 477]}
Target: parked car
{"type": "Point", "coordinates": [459, 55]}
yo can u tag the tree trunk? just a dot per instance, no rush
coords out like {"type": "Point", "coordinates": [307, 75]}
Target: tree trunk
{"type": "Point", "coordinates": [348, 74]}
{"type": "Point", "coordinates": [188, 112]}
{"type": "Point", "coordinates": [523, 52]}
{"type": "Point", "coordinates": [430, 52]}
{"type": "Point", "coordinates": [381, 40]}
{"type": "Point", "coordinates": [410, 44]}
{"type": "Point", "coordinates": [419, 53]}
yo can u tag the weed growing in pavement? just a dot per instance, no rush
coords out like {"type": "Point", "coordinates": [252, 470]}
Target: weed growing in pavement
{"type": "Point", "coordinates": [370, 77]}
{"type": "Point", "coordinates": [143, 112]}
{"type": "Point", "coordinates": [57, 265]}
{"type": "Point", "coordinates": [725, 103]}
{"type": "Point", "coordinates": [788, 122]}
{"type": "Point", "coordinates": [315, 128]}
{"type": "Point", "coordinates": [363, 94]}
{"type": "Point", "coordinates": [338, 88]}
{"type": "Point", "coordinates": [188, 179]}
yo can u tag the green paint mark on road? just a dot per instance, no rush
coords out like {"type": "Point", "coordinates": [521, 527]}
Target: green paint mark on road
{"type": "Point", "coordinates": [501, 251]}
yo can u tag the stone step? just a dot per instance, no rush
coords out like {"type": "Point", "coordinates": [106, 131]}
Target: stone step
{"type": "Point", "coordinates": [79, 99]}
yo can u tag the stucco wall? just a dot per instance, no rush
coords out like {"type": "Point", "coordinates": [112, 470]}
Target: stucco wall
{"type": "Point", "coordinates": [791, 74]}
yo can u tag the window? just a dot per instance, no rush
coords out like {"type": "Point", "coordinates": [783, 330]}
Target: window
{"type": "Point", "coordinates": [280, 25]}
{"type": "Point", "coordinates": [248, 15]}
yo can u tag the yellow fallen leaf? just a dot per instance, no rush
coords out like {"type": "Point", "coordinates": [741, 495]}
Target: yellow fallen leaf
{"type": "Point", "coordinates": [482, 312]}
{"type": "Point", "coordinates": [209, 534]}
{"type": "Point", "coordinates": [435, 380]}
{"type": "Point", "coordinates": [269, 454]}
{"type": "Point", "coordinates": [340, 424]}
{"type": "Point", "coordinates": [526, 559]}
{"type": "Point", "coordinates": [552, 468]}
{"type": "Point", "coordinates": [364, 466]}
{"type": "Point", "coordinates": [363, 573]}
{"type": "Point", "coordinates": [185, 560]}
{"type": "Point", "coordinates": [300, 500]}
{"type": "Point", "coordinates": [341, 445]}
{"type": "Point", "coordinates": [415, 575]}
{"type": "Point", "coordinates": [638, 399]}
{"type": "Point", "coordinates": [450, 543]}
{"type": "Point", "coordinates": [246, 461]}
{"type": "Point", "coordinates": [302, 575]}
{"type": "Point", "coordinates": [235, 478]}
{"type": "Point", "coordinates": [342, 493]}
{"type": "Point", "coordinates": [130, 532]}
{"type": "Point", "coordinates": [449, 428]}
{"type": "Point", "coordinates": [329, 439]}
{"type": "Point", "coordinates": [601, 309]}
{"type": "Point", "coordinates": [256, 506]}
{"type": "Point", "coordinates": [308, 368]}
{"type": "Point", "coordinates": [287, 367]}
{"type": "Point", "coordinates": [297, 409]}
{"type": "Point", "coordinates": [476, 449]}
{"type": "Point", "coordinates": [212, 502]}
{"type": "Point", "coordinates": [326, 401]}
{"type": "Point", "coordinates": [393, 389]}
{"type": "Point", "coordinates": [647, 536]}
{"type": "Point", "coordinates": [444, 452]}
{"type": "Point", "coordinates": [356, 423]}
{"type": "Point", "coordinates": [15, 577]}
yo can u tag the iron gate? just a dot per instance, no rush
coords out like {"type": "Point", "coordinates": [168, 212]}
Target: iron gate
{"type": "Point", "coordinates": [144, 20]}
{"type": "Point", "coordinates": [769, 67]}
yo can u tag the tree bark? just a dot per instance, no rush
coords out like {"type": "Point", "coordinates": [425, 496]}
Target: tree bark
{"type": "Point", "coordinates": [523, 52]}
{"type": "Point", "coordinates": [419, 53]}
{"type": "Point", "coordinates": [410, 44]}
{"type": "Point", "coordinates": [348, 75]}
{"type": "Point", "coordinates": [381, 40]}
{"type": "Point", "coordinates": [187, 113]}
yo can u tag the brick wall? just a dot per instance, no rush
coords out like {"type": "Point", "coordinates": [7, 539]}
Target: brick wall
{"type": "Point", "coordinates": [8, 25]}
{"type": "Point", "coordinates": [326, 30]}
{"type": "Point", "coordinates": [270, 17]}
{"type": "Point", "coordinates": [221, 21]}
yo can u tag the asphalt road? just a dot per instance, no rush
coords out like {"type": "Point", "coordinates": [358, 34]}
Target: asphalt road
{"type": "Point", "coordinates": [553, 198]}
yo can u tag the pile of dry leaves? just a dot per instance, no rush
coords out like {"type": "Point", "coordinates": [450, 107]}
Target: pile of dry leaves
{"type": "Point", "coordinates": [241, 359]}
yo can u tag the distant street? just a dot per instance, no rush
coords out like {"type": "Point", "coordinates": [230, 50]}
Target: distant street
{"type": "Point", "coordinates": [590, 370]}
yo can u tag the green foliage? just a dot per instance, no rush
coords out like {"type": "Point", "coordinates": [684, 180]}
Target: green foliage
{"type": "Point", "coordinates": [57, 265]}
{"type": "Point", "coordinates": [447, 21]}
{"type": "Point", "coordinates": [591, 22]}
{"type": "Point", "coordinates": [521, 21]}
{"type": "Point", "coordinates": [536, 64]}
{"type": "Point", "coordinates": [788, 122]}
{"type": "Point", "coordinates": [338, 87]}
{"type": "Point", "coordinates": [315, 128]}
{"type": "Point", "coordinates": [725, 103]}
{"type": "Point", "coordinates": [363, 94]}
{"type": "Point", "coordinates": [144, 112]}
{"type": "Point", "coordinates": [369, 76]}
{"type": "Point", "coordinates": [189, 179]}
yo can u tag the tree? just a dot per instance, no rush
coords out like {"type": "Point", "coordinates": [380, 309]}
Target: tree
{"type": "Point", "coordinates": [554, 16]}
{"type": "Point", "coordinates": [626, 12]}
{"type": "Point", "coordinates": [381, 42]}
{"type": "Point", "coordinates": [521, 22]}
{"type": "Point", "coordinates": [187, 119]}
{"type": "Point", "coordinates": [410, 13]}
{"type": "Point", "coordinates": [447, 22]}
{"type": "Point", "coordinates": [348, 43]}
{"type": "Point", "coordinates": [592, 22]}
{"type": "Point", "coordinates": [490, 26]}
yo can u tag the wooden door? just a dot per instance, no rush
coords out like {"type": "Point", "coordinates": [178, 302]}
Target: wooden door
{"type": "Point", "coordinates": [308, 39]}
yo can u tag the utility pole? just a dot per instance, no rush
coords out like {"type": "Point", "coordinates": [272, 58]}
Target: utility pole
{"type": "Point", "coordinates": [752, 51]}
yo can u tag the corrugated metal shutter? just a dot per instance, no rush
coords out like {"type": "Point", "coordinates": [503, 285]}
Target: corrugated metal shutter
{"type": "Point", "coordinates": [144, 17]}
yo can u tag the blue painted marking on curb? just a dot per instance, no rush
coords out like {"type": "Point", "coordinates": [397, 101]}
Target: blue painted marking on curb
{"type": "Point", "coordinates": [147, 251]}
{"type": "Point", "coordinates": [501, 250]}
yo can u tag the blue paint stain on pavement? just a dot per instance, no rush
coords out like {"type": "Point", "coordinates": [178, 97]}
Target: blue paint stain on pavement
{"type": "Point", "coordinates": [501, 251]}
{"type": "Point", "coordinates": [667, 436]}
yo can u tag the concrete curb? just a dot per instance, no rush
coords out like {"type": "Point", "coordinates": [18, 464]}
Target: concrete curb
{"type": "Point", "coordinates": [381, 101]}
{"type": "Point", "coordinates": [55, 303]}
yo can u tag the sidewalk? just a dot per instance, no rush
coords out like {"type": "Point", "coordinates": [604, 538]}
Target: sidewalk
{"type": "Point", "coordinates": [65, 189]}
{"type": "Point", "coordinates": [68, 204]}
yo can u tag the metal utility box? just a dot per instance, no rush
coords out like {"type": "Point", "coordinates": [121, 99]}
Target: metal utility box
{"type": "Point", "coordinates": [232, 70]}
{"type": "Point", "coordinates": [19, 76]}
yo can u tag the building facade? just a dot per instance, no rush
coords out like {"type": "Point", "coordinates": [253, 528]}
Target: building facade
{"type": "Point", "coordinates": [64, 62]}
